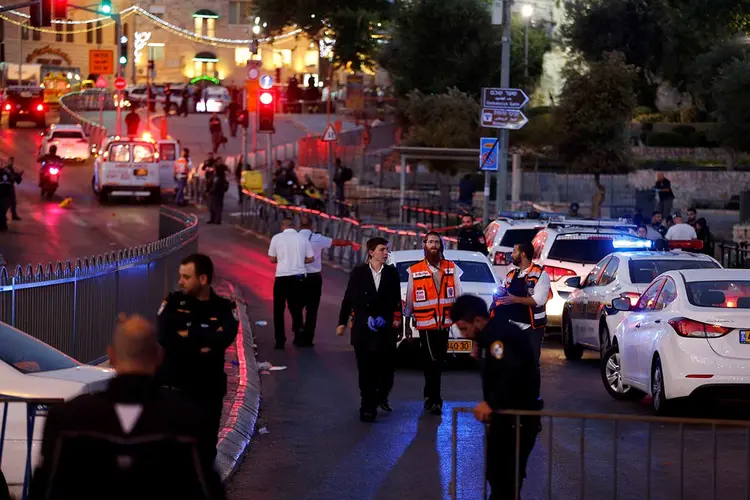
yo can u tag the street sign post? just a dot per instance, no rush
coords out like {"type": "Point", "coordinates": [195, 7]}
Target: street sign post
{"type": "Point", "coordinates": [330, 136]}
{"type": "Point", "coordinates": [510, 119]}
{"type": "Point", "coordinates": [504, 98]}
{"type": "Point", "coordinates": [488, 154]}
{"type": "Point", "coordinates": [253, 70]}
{"type": "Point", "coordinates": [101, 62]}
{"type": "Point", "coordinates": [266, 82]}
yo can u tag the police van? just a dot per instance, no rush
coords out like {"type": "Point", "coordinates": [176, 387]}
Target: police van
{"type": "Point", "coordinates": [127, 167]}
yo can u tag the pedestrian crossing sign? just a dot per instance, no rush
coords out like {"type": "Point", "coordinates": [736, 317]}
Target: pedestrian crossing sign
{"type": "Point", "coordinates": [329, 135]}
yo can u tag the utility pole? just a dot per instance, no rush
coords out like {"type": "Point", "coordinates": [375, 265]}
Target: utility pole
{"type": "Point", "coordinates": [501, 184]}
{"type": "Point", "coordinates": [132, 62]}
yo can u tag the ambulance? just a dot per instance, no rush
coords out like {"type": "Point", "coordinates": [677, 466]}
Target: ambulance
{"type": "Point", "coordinates": [127, 167]}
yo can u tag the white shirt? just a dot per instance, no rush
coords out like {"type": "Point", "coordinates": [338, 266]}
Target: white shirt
{"type": "Point", "coordinates": [290, 251]}
{"type": "Point", "coordinates": [541, 291]}
{"type": "Point", "coordinates": [409, 306]}
{"type": "Point", "coordinates": [376, 276]}
{"type": "Point", "coordinates": [681, 232]}
{"type": "Point", "coordinates": [319, 243]}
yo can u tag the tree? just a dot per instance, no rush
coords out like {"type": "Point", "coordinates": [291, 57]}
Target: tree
{"type": "Point", "coordinates": [595, 106]}
{"type": "Point", "coordinates": [733, 107]}
{"type": "Point", "coordinates": [439, 44]}
{"type": "Point", "coordinates": [707, 67]}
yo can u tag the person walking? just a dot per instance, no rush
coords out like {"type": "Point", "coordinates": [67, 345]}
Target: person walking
{"type": "Point", "coordinates": [290, 253]}
{"type": "Point", "coordinates": [182, 166]}
{"type": "Point", "coordinates": [219, 186]}
{"type": "Point", "coordinates": [132, 122]}
{"type": "Point", "coordinates": [528, 290]}
{"type": "Point", "coordinates": [183, 109]}
{"type": "Point", "coordinates": [434, 283]}
{"type": "Point", "coordinates": [196, 326]}
{"type": "Point", "coordinates": [341, 176]}
{"type": "Point", "coordinates": [509, 382]}
{"type": "Point", "coordinates": [373, 295]}
{"type": "Point", "coordinates": [232, 115]}
{"type": "Point", "coordinates": [217, 132]}
{"type": "Point", "coordinates": [17, 178]}
{"type": "Point", "coordinates": [313, 283]}
{"type": "Point", "coordinates": [6, 190]}
{"type": "Point", "coordinates": [132, 440]}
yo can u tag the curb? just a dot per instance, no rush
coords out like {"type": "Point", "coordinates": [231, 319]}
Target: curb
{"type": "Point", "coordinates": [239, 428]}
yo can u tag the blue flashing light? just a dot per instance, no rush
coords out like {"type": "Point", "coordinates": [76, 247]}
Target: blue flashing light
{"type": "Point", "coordinates": [499, 292]}
{"type": "Point", "coordinates": [632, 244]}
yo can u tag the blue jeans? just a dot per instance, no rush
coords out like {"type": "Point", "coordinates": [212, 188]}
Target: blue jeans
{"type": "Point", "coordinates": [179, 195]}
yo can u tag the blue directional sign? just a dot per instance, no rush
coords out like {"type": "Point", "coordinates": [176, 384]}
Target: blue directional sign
{"type": "Point", "coordinates": [488, 153]}
{"type": "Point", "coordinates": [266, 82]}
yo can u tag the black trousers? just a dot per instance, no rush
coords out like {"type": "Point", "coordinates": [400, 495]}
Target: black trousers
{"type": "Point", "coordinates": [376, 368]}
{"type": "Point", "coordinates": [537, 338]}
{"type": "Point", "coordinates": [311, 302]}
{"type": "Point", "coordinates": [4, 204]}
{"type": "Point", "coordinates": [434, 347]}
{"type": "Point", "coordinates": [287, 292]}
{"type": "Point", "coordinates": [13, 202]}
{"type": "Point", "coordinates": [216, 206]}
{"type": "Point", "coordinates": [501, 454]}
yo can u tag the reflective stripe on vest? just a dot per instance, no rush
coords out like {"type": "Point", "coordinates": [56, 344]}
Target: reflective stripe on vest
{"type": "Point", "coordinates": [537, 314]}
{"type": "Point", "coordinates": [432, 308]}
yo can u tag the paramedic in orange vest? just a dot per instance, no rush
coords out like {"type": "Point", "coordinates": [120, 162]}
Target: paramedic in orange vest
{"type": "Point", "coordinates": [181, 168]}
{"type": "Point", "coordinates": [528, 290]}
{"type": "Point", "coordinates": [434, 284]}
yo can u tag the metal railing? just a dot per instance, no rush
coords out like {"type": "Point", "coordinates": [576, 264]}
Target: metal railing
{"type": "Point", "coordinates": [87, 100]}
{"type": "Point", "coordinates": [73, 306]}
{"type": "Point", "coordinates": [587, 455]}
{"type": "Point", "coordinates": [734, 255]}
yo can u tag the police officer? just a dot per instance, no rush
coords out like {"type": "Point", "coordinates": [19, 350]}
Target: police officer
{"type": "Point", "coordinates": [509, 382]}
{"type": "Point", "coordinates": [470, 238]}
{"type": "Point", "coordinates": [6, 193]}
{"type": "Point", "coordinates": [196, 326]}
{"type": "Point", "coordinates": [17, 178]}
{"type": "Point", "coordinates": [528, 290]}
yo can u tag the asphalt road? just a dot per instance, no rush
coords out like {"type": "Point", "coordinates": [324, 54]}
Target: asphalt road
{"type": "Point", "coordinates": [316, 448]}
{"type": "Point", "coordinates": [49, 233]}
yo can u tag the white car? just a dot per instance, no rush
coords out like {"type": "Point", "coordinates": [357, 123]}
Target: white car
{"type": "Point", "coordinates": [478, 278]}
{"type": "Point", "coordinates": [30, 368]}
{"type": "Point", "coordinates": [567, 248]}
{"type": "Point", "coordinates": [127, 167]}
{"type": "Point", "coordinates": [215, 99]}
{"type": "Point", "coordinates": [688, 335]}
{"type": "Point", "coordinates": [71, 141]}
{"type": "Point", "coordinates": [588, 317]}
{"type": "Point", "coordinates": [504, 233]}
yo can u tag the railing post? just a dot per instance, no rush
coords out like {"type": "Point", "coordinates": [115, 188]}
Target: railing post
{"type": "Point", "coordinates": [13, 302]}
{"type": "Point", "coordinates": [75, 314]}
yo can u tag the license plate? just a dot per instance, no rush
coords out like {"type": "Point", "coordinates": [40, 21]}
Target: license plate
{"type": "Point", "coordinates": [744, 336]}
{"type": "Point", "coordinates": [140, 172]}
{"type": "Point", "coordinates": [456, 346]}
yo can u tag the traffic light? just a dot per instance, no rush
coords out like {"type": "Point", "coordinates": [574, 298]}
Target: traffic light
{"type": "Point", "coordinates": [105, 7]}
{"type": "Point", "coordinates": [266, 110]}
{"type": "Point", "coordinates": [123, 50]}
{"type": "Point", "coordinates": [60, 9]}
{"type": "Point", "coordinates": [41, 14]}
{"type": "Point", "coordinates": [242, 119]}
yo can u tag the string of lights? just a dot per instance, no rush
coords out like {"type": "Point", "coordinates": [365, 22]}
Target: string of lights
{"type": "Point", "coordinates": [81, 21]}
{"type": "Point", "coordinates": [24, 24]}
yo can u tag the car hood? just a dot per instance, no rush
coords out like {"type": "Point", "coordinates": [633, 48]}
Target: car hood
{"type": "Point", "coordinates": [92, 378]}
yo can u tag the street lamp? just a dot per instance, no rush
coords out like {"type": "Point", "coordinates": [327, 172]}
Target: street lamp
{"type": "Point", "coordinates": [526, 11]}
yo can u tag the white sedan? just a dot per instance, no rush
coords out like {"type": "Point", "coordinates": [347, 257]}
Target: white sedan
{"type": "Point", "coordinates": [588, 316]}
{"type": "Point", "coordinates": [30, 368]}
{"type": "Point", "coordinates": [71, 142]}
{"type": "Point", "coordinates": [478, 278]}
{"type": "Point", "coordinates": [688, 335]}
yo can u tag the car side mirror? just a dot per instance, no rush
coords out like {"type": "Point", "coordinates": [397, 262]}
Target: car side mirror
{"type": "Point", "coordinates": [574, 282]}
{"type": "Point", "coordinates": [622, 304]}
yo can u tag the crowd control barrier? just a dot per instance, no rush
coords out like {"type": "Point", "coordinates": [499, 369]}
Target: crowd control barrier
{"type": "Point", "coordinates": [610, 456]}
{"type": "Point", "coordinates": [73, 306]}
{"type": "Point", "coordinates": [87, 100]}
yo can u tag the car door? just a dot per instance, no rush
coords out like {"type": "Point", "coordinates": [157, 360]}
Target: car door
{"type": "Point", "coordinates": [652, 325]}
{"type": "Point", "coordinates": [582, 323]}
{"type": "Point", "coordinates": [601, 296]}
{"type": "Point", "coordinates": [635, 333]}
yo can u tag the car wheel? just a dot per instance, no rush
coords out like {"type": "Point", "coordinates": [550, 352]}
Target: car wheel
{"type": "Point", "coordinates": [611, 371]}
{"type": "Point", "coordinates": [660, 403]}
{"type": "Point", "coordinates": [604, 338]}
{"type": "Point", "coordinates": [573, 351]}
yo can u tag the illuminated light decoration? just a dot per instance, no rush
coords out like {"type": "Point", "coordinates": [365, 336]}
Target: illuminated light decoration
{"type": "Point", "coordinates": [206, 78]}
{"type": "Point", "coordinates": [140, 42]}
{"type": "Point", "coordinates": [632, 243]}
{"type": "Point", "coordinates": [206, 14]}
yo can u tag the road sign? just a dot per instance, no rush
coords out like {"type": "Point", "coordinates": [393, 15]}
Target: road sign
{"type": "Point", "coordinates": [497, 12]}
{"type": "Point", "coordinates": [266, 82]}
{"type": "Point", "coordinates": [101, 62]}
{"type": "Point", "coordinates": [329, 135]}
{"type": "Point", "coordinates": [253, 70]}
{"type": "Point", "coordinates": [504, 98]}
{"type": "Point", "coordinates": [120, 83]}
{"type": "Point", "coordinates": [512, 119]}
{"type": "Point", "coordinates": [251, 91]}
{"type": "Point", "coordinates": [488, 157]}
{"type": "Point", "coordinates": [101, 82]}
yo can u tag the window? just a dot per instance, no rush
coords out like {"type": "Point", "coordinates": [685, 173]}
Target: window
{"type": "Point", "coordinates": [167, 152]}
{"type": "Point", "coordinates": [282, 57]}
{"type": "Point", "coordinates": [119, 153]}
{"type": "Point", "coordinates": [239, 12]}
{"type": "Point", "coordinates": [645, 271]}
{"type": "Point", "coordinates": [198, 26]}
{"type": "Point", "coordinates": [156, 52]}
{"type": "Point", "coordinates": [666, 296]}
{"type": "Point", "coordinates": [513, 237]}
{"type": "Point", "coordinates": [473, 272]}
{"type": "Point", "coordinates": [98, 32]}
{"type": "Point", "coordinates": [58, 32]}
{"type": "Point", "coordinates": [594, 274]}
{"type": "Point", "coordinates": [29, 355]}
{"type": "Point", "coordinates": [648, 299]}
{"type": "Point", "coordinates": [69, 35]}
{"type": "Point", "coordinates": [89, 36]}
{"type": "Point", "coordinates": [67, 134]}
{"type": "Point", "coordinates": [723, 294]}
{"type": "Point", "coordinates": [243, 54]}
{"type": "Point", "coordinates": [610, 272]}
{"type": "Point", "coordinates": [143, 153]}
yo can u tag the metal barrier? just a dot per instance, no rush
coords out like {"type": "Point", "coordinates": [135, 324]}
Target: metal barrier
{"type": "Point", "coordinates": [587, 455]}
{"type": "Point", "coordinates": [734, 255]}
{"type": "Point", "coordinates": [73, 306]}
{"type": "Point", "coordinates": [87, 100]}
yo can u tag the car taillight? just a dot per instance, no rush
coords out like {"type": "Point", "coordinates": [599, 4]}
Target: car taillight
{"type": "Point", "coordinates": [499, 259]}
{"type": "Point", "coordinates": [7, 107]}
{"type": "Point", "coordinates": [691, 328]}
{"type": "Point", "coordinates": [557, 273]}
{"type": "Point", "coordinates": [632, 296]}
{"type": "Point", "coordinates": [54, 171]}
{"type": "Point", "coordinates": [82, 141]}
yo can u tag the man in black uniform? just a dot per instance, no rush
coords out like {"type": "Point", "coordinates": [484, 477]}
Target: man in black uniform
{"type": "Point", "coordinates": [6, 192]}
{"type": "Point", "coordinates": [470, 238]}
{"type": "Point", "coordinates": [17, 178]}
{"type": "Point", "coordinates": [509, 382]}
{"type": "Point", "coordinates": [196, 326]}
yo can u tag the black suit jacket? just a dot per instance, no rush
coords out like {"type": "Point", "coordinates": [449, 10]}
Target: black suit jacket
{"type": "Point", "coordinates": [362, 299]}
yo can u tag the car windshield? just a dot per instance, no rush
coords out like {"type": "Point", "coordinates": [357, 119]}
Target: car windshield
{"type": "Point", "coordinates": [645, 271]}
{"type": "Point", "coordinates": [513, 237]}
{"type": "Point", "coordinates": [67, 134]}
{"type": "Point", "coordinates": [583, 249]}
{"type": "Point", "coordinates": [473, 272]}
{"type": "Point", "coordinates": [719, 294]}
{"type": "Point", "coordinates": [29, 355]}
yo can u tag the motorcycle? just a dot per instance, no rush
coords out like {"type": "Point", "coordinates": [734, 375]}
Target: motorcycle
{"type": "Point", "coordinates": [49, 181]}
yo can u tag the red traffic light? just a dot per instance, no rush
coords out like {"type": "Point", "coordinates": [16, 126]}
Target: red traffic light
{"type": "Point", "coordinates": [266, 110]}
{"type": "Point", "coordinates": [266, 98]}
{"type": "Point", "coordinates": [60, 9]}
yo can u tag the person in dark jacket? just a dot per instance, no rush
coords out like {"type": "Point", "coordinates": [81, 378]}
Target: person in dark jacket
{"type": "Point", "coordinates": [469, 237]}
{"type": "Point", "coordinates": [133, 440]}
{"type": "Point", "coordinates": [219, 186]}
{"type": "Point", "coordinates": [373, 295]}
{"type": "Point", "coordinates": [17, 177]}
{"type": "Point", "coordinates": [217, 132]}
{"type": "Point", "coordinates": [509, 382]}
{"type": "Point", "coordinates": [196, 326]}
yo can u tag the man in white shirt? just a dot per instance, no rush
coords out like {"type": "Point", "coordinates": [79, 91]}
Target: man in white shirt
{"type": "Point", "coordinates": [680, 231]}
{"type": "Point", "coordinates": [290, 253]}
{"type": "Point", "coordinates": [314, 280]}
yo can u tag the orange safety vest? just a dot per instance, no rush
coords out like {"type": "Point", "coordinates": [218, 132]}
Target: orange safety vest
{"type": "Point", "coordinates": [180, 168]}
{"type": "Point", "coordinates": [535, 316]}
{"type": "Point", "coordinates": [432, 307]}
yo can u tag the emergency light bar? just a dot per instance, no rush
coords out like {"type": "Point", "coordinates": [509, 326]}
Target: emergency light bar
{"type": "Point", "coordinates": [530, 215]}
{"type": "Point", "coordinates": [620, 244]}
{"type": "Point", "coordinates": [596, 223]}
{"type": "Point", "coordinates": [685, 244]}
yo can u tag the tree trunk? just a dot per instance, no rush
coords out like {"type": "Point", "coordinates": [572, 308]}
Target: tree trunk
{"type": "Point", "coordinates": [598, 199]}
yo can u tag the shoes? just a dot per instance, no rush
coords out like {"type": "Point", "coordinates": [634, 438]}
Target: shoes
{"type": "Point", "coordinates": [434, 407]}
{"type": "Point", "coordinates": [386, 406]}
{"type": "Point", "coordinates": [367, 416]}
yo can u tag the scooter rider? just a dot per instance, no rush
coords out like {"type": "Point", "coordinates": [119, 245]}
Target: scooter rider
{"type": "Point", "coordinates": [48, 161]}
